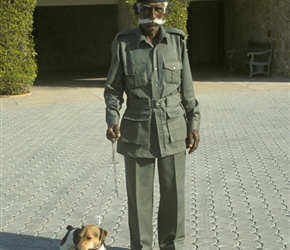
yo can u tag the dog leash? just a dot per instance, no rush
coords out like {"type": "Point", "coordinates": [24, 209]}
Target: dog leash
{"type": "Point", "coordinates": [114, 162]}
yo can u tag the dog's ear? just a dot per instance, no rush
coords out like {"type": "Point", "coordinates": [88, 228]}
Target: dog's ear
{"type": "Point", "coordinates": [69, 228]}
{"type": "Point", "coordinates": [76, 238]}
{"type": "Point", "coordinates": [103, 234]}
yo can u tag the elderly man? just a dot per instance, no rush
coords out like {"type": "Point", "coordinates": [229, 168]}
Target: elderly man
{"type": "Point", "coordinates": [150, 64]}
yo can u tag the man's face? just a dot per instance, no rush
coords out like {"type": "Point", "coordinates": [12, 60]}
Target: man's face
{"type": "Point", "coordinates": [151, 12]}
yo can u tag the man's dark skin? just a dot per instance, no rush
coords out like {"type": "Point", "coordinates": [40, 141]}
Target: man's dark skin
{"type": "Point", "coordinates": [153, 11]}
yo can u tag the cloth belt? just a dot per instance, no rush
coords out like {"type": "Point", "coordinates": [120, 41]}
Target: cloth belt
{"type": "Point", "coordinates": [158, 103]}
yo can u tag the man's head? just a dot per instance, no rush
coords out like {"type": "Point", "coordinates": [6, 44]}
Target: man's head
{"type": "Point", "coordinates": [151, 13]}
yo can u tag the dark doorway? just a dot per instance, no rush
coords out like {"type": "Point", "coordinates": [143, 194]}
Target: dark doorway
{"type": "Point", "coordinates": [206, 33]}
{"type": "Point", "coordinates": [74, 37]}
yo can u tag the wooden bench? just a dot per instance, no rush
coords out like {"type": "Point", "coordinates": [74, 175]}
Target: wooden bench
{"type": "Point", "coordinates": [258, 56]}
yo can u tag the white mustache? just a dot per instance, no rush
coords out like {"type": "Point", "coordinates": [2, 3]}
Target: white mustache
{"type": "Point", "coordinates": [156, 21]}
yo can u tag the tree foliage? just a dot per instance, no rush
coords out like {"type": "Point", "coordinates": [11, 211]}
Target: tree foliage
{"type": "Point", "coordinates": [176, 15]}
{"type": "Point", "coordinates": [17, 55]}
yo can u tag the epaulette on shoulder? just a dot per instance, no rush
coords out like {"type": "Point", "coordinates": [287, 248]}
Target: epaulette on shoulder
{"type": "Point", "coordinates": [175, 31]}
{"type": "Point", "coordinates": [126, 32]}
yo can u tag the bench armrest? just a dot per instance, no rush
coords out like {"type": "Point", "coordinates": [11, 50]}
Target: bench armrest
{"type": "Point", "coordinates": [260, 53]}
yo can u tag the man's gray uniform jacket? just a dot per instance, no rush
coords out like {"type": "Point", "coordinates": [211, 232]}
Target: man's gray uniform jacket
{"type": "Point", "coordinates": [161, 106]}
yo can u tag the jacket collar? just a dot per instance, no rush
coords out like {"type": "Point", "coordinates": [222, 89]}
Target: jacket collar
{"type": "Point", "coordinates": [141, 38]}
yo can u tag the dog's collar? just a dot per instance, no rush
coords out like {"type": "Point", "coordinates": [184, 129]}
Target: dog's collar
{"type": "Point", "coordinates": [96, 248]}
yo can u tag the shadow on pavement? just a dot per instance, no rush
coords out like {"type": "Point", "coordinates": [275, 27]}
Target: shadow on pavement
{"type": "Point", "coordinates": [13, 241]}
{"type": "Point", "coordinates": [221, 73]}
{"type": "Point", "coordinates": [96, 78]}
{"type": "Point", "coordinates": [85, 78]}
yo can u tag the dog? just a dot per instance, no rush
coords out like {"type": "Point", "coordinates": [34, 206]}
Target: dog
{"type": "Point", "coordinates": [88, 237]}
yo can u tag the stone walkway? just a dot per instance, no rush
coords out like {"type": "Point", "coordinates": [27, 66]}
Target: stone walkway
{"type": "Point", "coordinates": [56, 168]}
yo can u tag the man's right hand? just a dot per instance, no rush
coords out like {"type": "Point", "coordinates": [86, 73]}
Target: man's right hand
{"type": "Point", "coordinates": [113, 133]}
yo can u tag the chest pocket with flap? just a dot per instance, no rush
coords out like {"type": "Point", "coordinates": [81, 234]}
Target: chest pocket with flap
{"type": "Point", "coordinates": [136, 76]}
{"type": "Point", "coordinates": [172, 71]}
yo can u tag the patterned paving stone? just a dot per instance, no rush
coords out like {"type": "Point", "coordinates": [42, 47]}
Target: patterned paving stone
{"type": "Point", "coordinates": [56, 170]}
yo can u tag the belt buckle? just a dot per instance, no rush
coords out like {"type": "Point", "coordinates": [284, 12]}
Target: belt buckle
{"type": "Point", "coordinates": [156, 103]}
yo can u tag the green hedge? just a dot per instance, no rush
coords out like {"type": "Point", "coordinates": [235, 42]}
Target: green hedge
{"type": "Point", "coordinates": [17, 55]}
{"type": "Point", "coordinates": [176, 15]}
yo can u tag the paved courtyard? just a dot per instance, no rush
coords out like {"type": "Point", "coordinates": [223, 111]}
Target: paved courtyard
{"type": "Point", "coordinates": [56, 169]}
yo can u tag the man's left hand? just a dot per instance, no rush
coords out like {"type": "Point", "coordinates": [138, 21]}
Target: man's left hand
{"type": "Point", "coordinates": [193, 140]}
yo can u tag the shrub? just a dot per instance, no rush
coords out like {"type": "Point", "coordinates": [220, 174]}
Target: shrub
{"type": "Point", "coordinates": [17, 55]}
{"type": "Point", "coordinates": [176, 15]}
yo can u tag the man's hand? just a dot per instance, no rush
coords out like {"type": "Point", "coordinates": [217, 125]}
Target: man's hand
{"type": "Point", "coordinates": [113, 133]}
{"type": "Point", "coordinates": [192, 140]}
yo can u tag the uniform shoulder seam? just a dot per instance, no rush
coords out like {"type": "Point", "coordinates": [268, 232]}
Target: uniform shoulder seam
{"type": "Point", "coordinates": [175, 31]}
{"type": "Point", "coordinates": [126, 32]}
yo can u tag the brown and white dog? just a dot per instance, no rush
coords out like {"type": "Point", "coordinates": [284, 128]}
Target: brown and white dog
{"type": "Point", "coordinates": [88, 237]}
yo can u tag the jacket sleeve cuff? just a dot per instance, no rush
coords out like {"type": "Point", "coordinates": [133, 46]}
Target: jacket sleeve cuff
{"type": "Point", "coordinates": [112, 121]}
{"type": "Point", "coordinates": [112, 117]}
{"type": "Point", "coordinates": [193, 125]}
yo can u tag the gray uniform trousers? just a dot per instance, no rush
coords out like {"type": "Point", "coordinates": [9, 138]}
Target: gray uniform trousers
{"type": "Point", "coordinates": [171, 213]}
